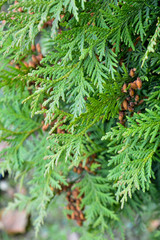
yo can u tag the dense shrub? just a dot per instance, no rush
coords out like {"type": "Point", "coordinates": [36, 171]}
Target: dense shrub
{"type": "Point", "coordinates": [80, 108]}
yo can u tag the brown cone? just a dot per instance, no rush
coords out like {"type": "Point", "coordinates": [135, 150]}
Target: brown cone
{"type": "Point", "coordinates": [125, 104]}
{"type": "Point", "coordinates": [124, 88]}
{"type": "Point", "coordinates": [38, 47]}
{"type": "Point", "coordinates": [131, 92]}
{"type": "Point", "coordinates": [137, 98]}
{"type": "Point", "coordinates": [133, 85]}
{"type": "Point", "coordinates": [132, 72]}
{"type": "Point", "coordinates": [139, 83]}
{"type": "Point", "coordinates": [33, 48]}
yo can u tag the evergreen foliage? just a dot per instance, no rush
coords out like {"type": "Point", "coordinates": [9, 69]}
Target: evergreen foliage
{"type": "Point", "coordinates": [60, 108]}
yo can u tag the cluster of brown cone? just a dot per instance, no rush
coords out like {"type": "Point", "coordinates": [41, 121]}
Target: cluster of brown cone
{"type": "Point", "coordinates": [36, 58]}
{"type": "Point", "coordinates": [90, 160]}
{"type": "Point", "coordinates": [133, 99]}
{"type": "Point", "coordinates": [74, 202]}
{"type": "Point", "coordinates": [73, 194]}
{"type": "Point", "coordinates": [72, 197]}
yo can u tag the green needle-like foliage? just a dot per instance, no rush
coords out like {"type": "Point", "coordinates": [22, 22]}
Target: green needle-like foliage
{"type": "Point", "coordinates": [63, 68]}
